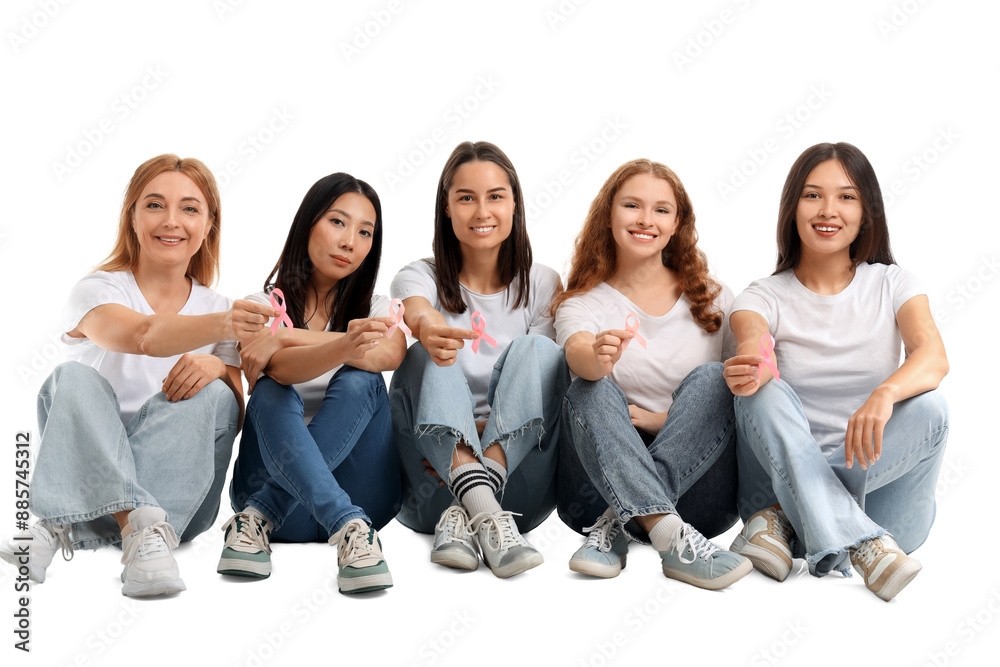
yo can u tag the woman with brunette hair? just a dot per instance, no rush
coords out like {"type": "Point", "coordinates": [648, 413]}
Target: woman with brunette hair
{"type": "Point", "coordinates": [484, 428]}
{"type": "Point", "coordinates": [316, 460]}
{"type": "Point", "coordinates": [650, 434]}
{"type": "Point", "coordinates": [138, 427]}
{"type": "Point", "coordinates": [819, 386]}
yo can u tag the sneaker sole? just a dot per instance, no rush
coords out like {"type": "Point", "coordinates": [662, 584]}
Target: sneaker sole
{"type": "Point", "coordinates": [244, 568]}
{"type": "Point", "coordinates": [725, 580]}
{"type": "Point", "coordinates": [764, 560]}
{"type": "Point", "coordinates": [596, 569]}
{"type": "Point", "coordinates": [136, 589]}
{"type": "Point", "coordinates": [366, 584]}
{"type": "Point", "coordinates": [456, 559]}
{"type": "Point", "coordinates": [518, 567]}
{"type": "Point", "coordinates": [903, 576]}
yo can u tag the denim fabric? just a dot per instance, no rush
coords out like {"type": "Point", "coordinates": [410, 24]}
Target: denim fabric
{"type": "Point", "coordinates": [832, 507]}
{"type": "Point", "coordinates": [170, 455]}
{"type": "Point", "coordinates": [311, 480]}
{"type": "Point", "coordinates": [432, 411]}
{"type": "Point", "coordinates": [688, 468]}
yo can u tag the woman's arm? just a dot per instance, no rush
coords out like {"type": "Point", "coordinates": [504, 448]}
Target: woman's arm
{"type": "Point", "coordinates": [441, 341]}
{"type": "Point", "coordinates": [925, 366]}
{"type": "Point", "coordinates": [593, 357]}
{"type": "Point", "coordinates": [117, 328]}
{"type": "Point", "coordinates": [743, 372]}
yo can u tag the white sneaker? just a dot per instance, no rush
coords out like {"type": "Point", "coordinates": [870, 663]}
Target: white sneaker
{"type": "Point", "coordinates": [504, 550]}
{"type": "Point", "coordinates": [884, 567]}
{"type": "Point", "coordinates": [39, 543]}
{"type": "Point", "coordinates": [150, 568]}
{"type": "Point", "coordinates": [453, 546]}
{"type": "Point", "coordinates": [766, 541]}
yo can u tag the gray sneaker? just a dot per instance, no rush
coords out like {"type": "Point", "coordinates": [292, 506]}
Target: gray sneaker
{"type": "Point", "coordinates": [40, 542]}
{"type": "Point", "coordinates": [696, 561]}
{"type": "Point", "coordinates": [605, 551]}
{"type": "Point", "coordinates": [453, 546]}
{"type": "Point", "coordinates": [504, 550]}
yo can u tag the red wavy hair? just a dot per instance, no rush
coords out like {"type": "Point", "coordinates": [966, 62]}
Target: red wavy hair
{"type": "Point", "coordinates": [595, 252]}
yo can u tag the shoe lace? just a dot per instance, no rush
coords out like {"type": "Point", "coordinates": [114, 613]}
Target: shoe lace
{"type": "Point", "coordinates": [248, 531]}
{"type": "Point", "coordinates": [454, 524]}
{"type": "Point", "coordinates": [781, 529]}
{"type": "Point", "coordinates": [869, 551]}
{"type": "Point", "coordinates": [700, 546]}
{"type": "Point", "coordinates": [355, 542]}
{"type": "Point", "coordinates": [602, 534]}
{"type": "Point", "coordinates": [63, 533]}
{"type": "Point", "coordinates": [151, 542]}
{"type": "Point", "coordinates": [503, 523]}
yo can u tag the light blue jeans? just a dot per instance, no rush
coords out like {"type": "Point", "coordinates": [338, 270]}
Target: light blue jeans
{"type": "Point", "coordinates": [832, 507]}
{"type": "Point", "coordinates": [170, 455]}
{"type": "Point", "coordinates": [688, 468]}
{"type": "Point", "coordinates": [432, 411]}
{"type": "Point", "coordinates": [311, 480]}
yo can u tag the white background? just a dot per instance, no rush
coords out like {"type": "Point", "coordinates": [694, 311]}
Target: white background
{"type": "Point", "coordinates": [904, 81]}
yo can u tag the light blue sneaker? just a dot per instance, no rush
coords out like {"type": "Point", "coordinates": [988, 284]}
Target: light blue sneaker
{"type": "Point", "coordinates": [696, 561]}
{"type": "Point", "coordinates": [605, 551]}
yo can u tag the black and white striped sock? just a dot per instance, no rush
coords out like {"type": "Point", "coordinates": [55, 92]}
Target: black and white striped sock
{"type": "Point", "coordinates": [471, 484]}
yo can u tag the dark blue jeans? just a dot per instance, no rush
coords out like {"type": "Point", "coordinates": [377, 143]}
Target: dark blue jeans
{"type": "Point", "coordinates": [311, 480]}
{"type": "Point", "coordinates": [688, 468]}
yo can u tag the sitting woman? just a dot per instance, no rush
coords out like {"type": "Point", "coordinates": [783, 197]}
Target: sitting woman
{"type": "Point", "coordinates": [819, 387]}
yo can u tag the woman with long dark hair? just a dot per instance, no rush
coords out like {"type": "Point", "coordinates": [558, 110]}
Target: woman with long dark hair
{"type": "Point", "coordinates": [650, 433]}
{"type": "Point", "coordinates": [316, 460]}
{"type": "Point", "coordinates": [839, 444]}
{"type": "Point", "coordinates": [476, 402]}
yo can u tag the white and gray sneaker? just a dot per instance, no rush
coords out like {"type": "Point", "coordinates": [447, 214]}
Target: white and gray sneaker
{"type": "Point", "coordinates": [504, 550]}
{"type": "Point", "coordinates": [150, 568]}
{"type": "Point", "coordinates": [39, 543]}
{"type": "Point", "coordinates": [453, 546]}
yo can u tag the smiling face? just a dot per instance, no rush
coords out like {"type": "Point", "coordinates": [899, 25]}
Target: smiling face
{"type": "Point", "coordinates": [829, 213]}
{"type": "Point", "coordinates": [342, 238]}
{"type": "Point", "coordinates": [171, 220]}
{"type": "Point", "coordinates": [643, 217]}
{"type": "Point", "coordinates": [480, 205]}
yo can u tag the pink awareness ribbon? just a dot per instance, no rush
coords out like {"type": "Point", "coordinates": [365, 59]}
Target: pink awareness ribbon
{"type": "Point", "coordinates": [282, 316]}
{"type": "Point", "coordinates": [634, 330]}
{"type": "Point", "coordinates": [481, 330]}
{"type": "Point", "coordinates": [766, 348]}
{"type": "Point", "coordinates": [397, 315]}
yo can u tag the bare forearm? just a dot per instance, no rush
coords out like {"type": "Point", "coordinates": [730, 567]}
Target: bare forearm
{"type": "Point", "coordinates": [169, 335]}
{"type": "Point", "coordinates": [922, 371]}
{"type": "Point", "coordinates": [582, 360]}
{"type": "Point", "coordinates": [306, 362]}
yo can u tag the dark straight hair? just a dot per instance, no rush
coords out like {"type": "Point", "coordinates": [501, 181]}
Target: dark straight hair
{"type": "Point", "coordinates": [352, 297]}
{"type": "Point", "coordinates": [872, 243]}
{"type": "Point", "coordinates": [514, 262]}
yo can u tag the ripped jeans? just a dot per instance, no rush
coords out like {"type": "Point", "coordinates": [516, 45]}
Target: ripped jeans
{"type": "Point", "coordinates": [432, 410]}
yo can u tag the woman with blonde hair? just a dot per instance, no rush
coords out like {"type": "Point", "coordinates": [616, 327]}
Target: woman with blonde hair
{"type": "Point", "coordinates": [649, 418]}
{"type": "Point", "coordinates": [138, 425]}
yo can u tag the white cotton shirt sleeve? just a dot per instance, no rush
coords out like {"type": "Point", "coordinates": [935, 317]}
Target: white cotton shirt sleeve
{"type": "Point", "coordinates": [675, 343]}
{"type": "Point", "coordinates": [502, 321]}
{"type": "Point", "coordinates": [134, 377]}
{"type": "Point", "coordinates": [833, 350]}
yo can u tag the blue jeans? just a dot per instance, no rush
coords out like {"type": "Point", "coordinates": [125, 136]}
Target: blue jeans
{"type": "Point", "coordinates": [311, 480]}
{"type": "Point", "coordinates": [688, 468]}
{"type": "Point", "coordinates": [170, 455]}
{"type": "Point", "coordinates": [830, 506]}
{"type": "Point", "coordinates": [432, 412]}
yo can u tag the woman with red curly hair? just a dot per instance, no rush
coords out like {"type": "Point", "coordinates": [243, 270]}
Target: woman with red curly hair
{"type": "Point", "coordinates": [651, 433]}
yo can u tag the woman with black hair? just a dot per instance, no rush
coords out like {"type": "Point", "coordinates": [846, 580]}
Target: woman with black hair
{"type": "Point", "coordinates": [488, 424]}
{"type": "Point", "coordinates": [826, 327]}
{"type": "Point", "coordinates": [317, 460]}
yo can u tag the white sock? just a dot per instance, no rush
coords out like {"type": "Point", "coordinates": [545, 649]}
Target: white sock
{"type": "Point", "coordinates": [497, 473]}
{"type": "Point", "coordinates": [662, 534]}
{"type": "Point", "coordinates": [470, 484]}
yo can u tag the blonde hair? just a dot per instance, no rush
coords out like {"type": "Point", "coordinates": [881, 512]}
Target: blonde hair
{"type": "Point", "coordinates": [204, 265]}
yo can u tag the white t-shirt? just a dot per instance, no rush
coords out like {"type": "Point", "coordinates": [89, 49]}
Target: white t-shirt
{"type": "Point", "coordinates": [504, 323]}
{"type": "Point", "coordinates": [675, 343]}
{"type": "Point", "coordinates": [313, 391]}
{"type": "Point", "coordinates": [834, 350]}
{"type": "Point", "coordinates": [134, 377]}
